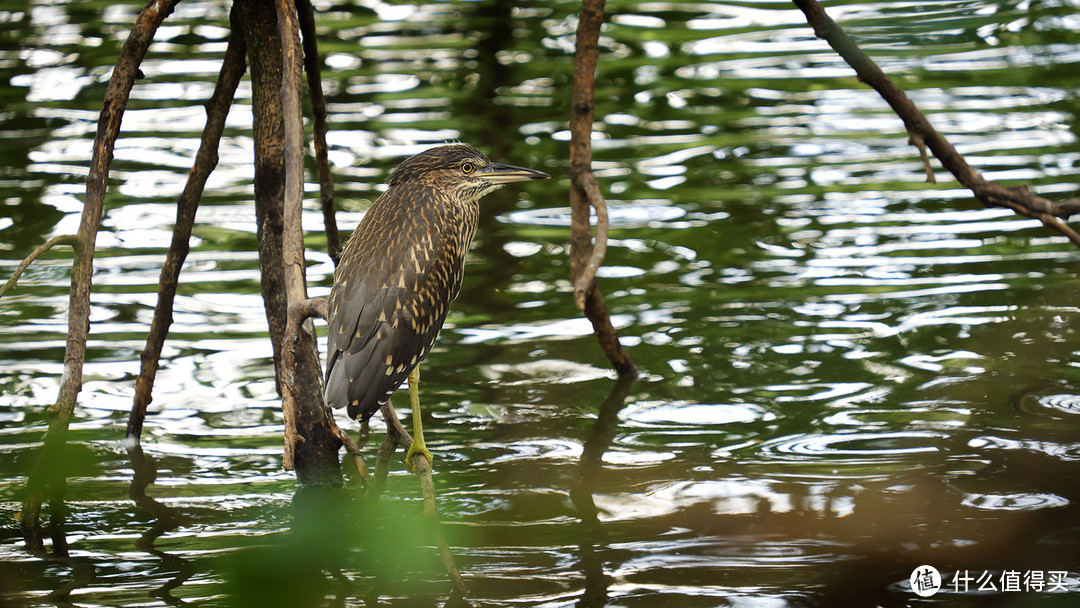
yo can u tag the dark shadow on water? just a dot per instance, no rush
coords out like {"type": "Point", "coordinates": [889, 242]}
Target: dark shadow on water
{"type": "Point", "coordinates": [593, 542]}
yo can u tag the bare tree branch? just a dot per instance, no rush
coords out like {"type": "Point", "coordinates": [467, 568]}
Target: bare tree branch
{"type": "Point", "coordinates": [299, 313]}
{"type": "Point", "coordinates": [63, 239]}
{"type": "Point", "coordinates": [916, 140]}
{"type": "Point", "coordinates": [206, 159]}
{"type": "Point", "coordinates": [585, 254]}
{"type": "Point", "coordinates": [292, 252]}
{"type": "Point", "coordinates": [353, 450]}
{"type": "Point", "coordinates": [991, 194]}
{"type": "Point", "coordinates": [82, 269]}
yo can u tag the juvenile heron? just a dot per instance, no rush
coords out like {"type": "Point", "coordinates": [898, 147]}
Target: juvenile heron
{"type": "Point", "coordinates": [400, 270]}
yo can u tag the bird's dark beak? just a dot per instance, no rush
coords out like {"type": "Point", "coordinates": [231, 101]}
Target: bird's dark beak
{"type": "Point", "coordinates": [497, 173]}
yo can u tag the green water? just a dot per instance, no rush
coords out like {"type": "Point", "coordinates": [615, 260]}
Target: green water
{"type": "Point", "coordinates": [847, 372]}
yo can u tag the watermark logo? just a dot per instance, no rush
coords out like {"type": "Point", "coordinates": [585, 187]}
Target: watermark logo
{"type": "Point", "coordinates": [925, 581]}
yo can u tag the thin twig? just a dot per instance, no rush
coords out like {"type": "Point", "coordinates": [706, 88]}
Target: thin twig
{"type": "Point", "coordinates": [306, 14]}
{"type": "Point", "coordinates": [217, 110]}
{"type": "Point", "coordinates": [353, 450]}
{"type": "Point", "coordinates": [585, 281]}
{"type": "Point", "coordinates": [989, 193]}
{"type": "Point", "coordinates": [13, 280]}
{"type": "Point", "coordinates": [916, 140]}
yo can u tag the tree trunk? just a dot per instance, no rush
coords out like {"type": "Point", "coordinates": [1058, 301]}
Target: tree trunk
{"type": "Point", "coordinates": [264, 66]}
{"type": "Point", "coordinates": [313, 448]}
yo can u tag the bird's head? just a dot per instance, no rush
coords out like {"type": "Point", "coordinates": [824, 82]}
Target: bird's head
{"type": "Point", "coordinates": [460, 170]}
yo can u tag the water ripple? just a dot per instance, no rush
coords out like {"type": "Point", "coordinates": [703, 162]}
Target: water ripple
{"type": "Point", "coordinates": [879, 447]}
{"type": "Point", "coordinates": [1014, 502]}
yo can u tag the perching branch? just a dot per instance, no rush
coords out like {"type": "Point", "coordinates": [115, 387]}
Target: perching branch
{"type": "Point", "coordinates": [397, 435]}
{"type": "Point", "coordinates": [206, 159]}
{"type": "Point", "coordinates": [63, 239]}
{"type": "Point", "coordinates": [991, 194]}
{"type": "Point", "coordinates": [585, 254]}
{"type": "Point", "coordinates": [82, 269]}
{"type": "Point", "coordinates": [298, 314]}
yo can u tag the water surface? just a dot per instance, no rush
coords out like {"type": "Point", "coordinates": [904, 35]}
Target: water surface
{"type": "Point", "coordinates": [847, 372]}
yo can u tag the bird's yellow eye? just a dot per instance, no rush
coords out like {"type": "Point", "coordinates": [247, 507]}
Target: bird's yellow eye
{"type": "Point", "coordinates": [467, 168]}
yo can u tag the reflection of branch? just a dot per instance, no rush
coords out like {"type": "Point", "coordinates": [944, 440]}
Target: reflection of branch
{"type": "Point", "coordinates": [52, 463]}
{"type": "Point", "coordinates": [63, 239]}
{"type": "Point", "coordinates": [991, 194]}
{"type": "Point", "coordinates": [82, 575]}
{"type": "Point", "coordinates": [306, 14]}
{"type": "Point", "coordinates": [145, 474]}
{"type": "Point", "coordinates": [82, 267]}
{"type": "Point", "coordinates": [581, 491]}
{"type": "Point", "coordinates": [217, 109]}
{"type": "Point", "coordinates": [598, 442]}
{"type": "Point", "coordinates": [585, 255]}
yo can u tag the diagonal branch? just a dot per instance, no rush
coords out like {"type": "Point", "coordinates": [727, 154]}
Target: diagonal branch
{"type": "Point", "coordinates": [82, 268]}
{"type": "Point", "coordinates": [989, 193]}
{"type": "Point", "coordinates": [206, 159]}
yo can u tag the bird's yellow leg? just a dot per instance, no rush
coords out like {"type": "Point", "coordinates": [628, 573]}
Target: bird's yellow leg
{"type": "Point", "coordinates": [418, 445]}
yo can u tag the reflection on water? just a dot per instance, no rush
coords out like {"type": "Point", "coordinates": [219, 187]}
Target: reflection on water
{"type": "Point", "coordinates": [848, 372]}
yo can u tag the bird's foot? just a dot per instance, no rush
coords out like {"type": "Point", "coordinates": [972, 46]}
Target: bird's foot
{"type": "Point", "coordinates": [417, 447]}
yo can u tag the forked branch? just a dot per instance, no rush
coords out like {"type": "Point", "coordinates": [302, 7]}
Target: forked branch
{"type": "Point", "coordinates": [586, 252]}
{"type": "Point", "coordinates": [40, 481]}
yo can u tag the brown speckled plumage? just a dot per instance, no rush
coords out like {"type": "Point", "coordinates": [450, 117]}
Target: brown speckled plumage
{"type": "Point", "coordinates": [401, 269]}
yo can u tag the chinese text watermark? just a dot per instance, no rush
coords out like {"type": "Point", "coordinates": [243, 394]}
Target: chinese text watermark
{"type": "Point", "coordinates": [925, 581]}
